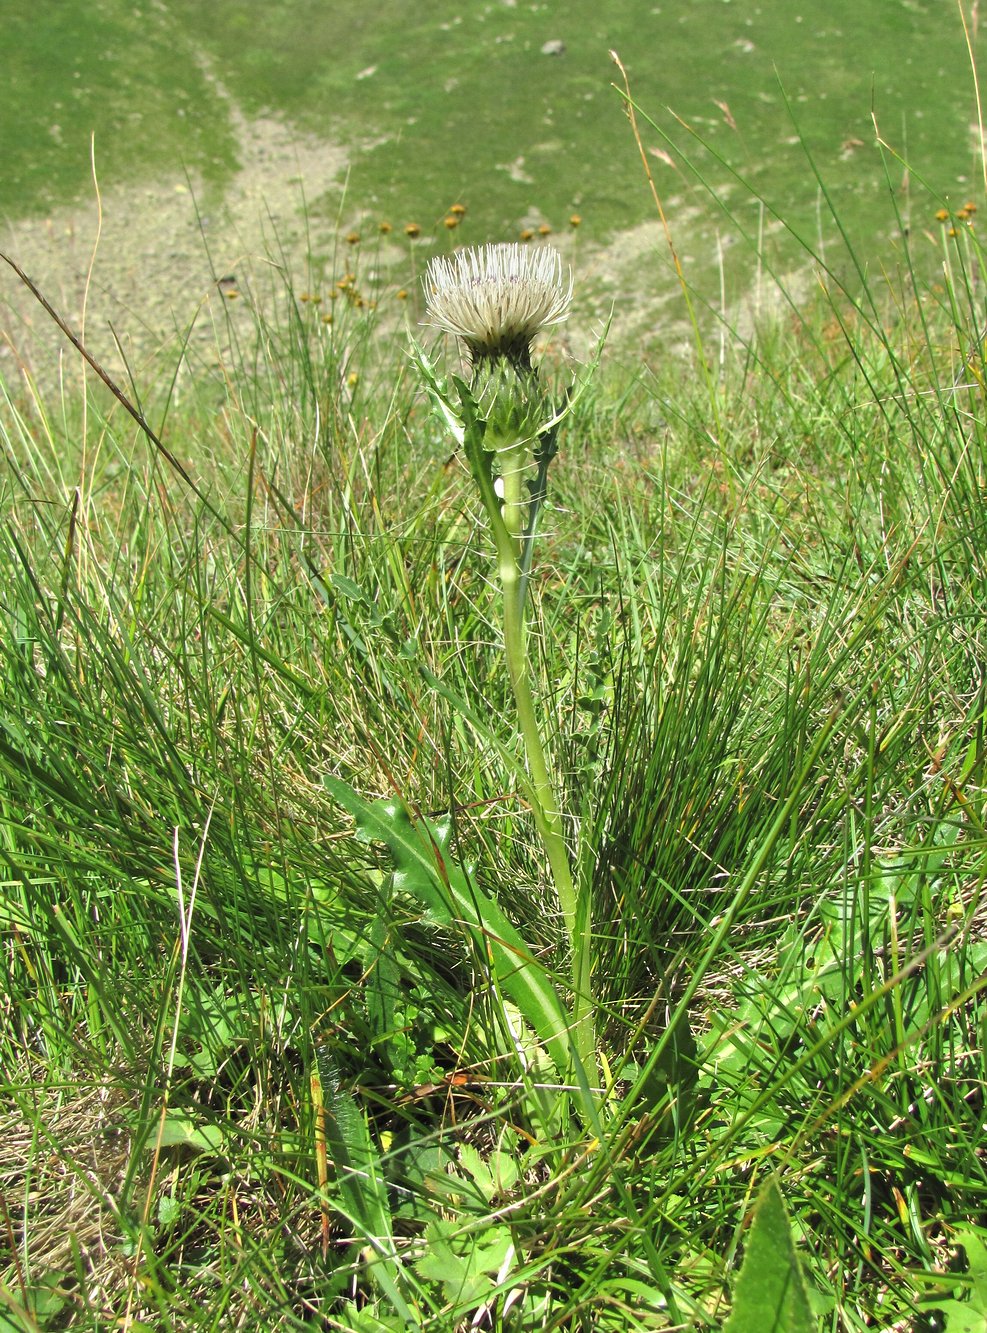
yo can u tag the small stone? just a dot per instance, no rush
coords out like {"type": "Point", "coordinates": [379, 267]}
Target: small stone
{"type": "Point", "coordinates": [553, 48]}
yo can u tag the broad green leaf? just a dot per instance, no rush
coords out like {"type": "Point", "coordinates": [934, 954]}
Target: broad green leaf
{"type": "Point", "coordinates": [46, 1301]}
{"type": "Point", "coordinates": [180, 1132]}
{"type": "Point", "coordinates": [493, 1175]}
{"type": "Point", "coordinates": [426, 868]}
{"type": "Point", "coordinates": [368, 1321]}
{"type": "Point", "coordinates": [466, 1263]}
{"type": "Point", "coordinates": [969, 1314]}
{"type": "Point", "coordinates": [348, 588]}
{"type": "Point", "coordinates": [771, 1296]}
{"type": "Point", "coordinates": [976, 1261]}
{"type": "Point", "coordinates": [169, 1210]}
{"type": "Point", "coordinates": [668, 1087]}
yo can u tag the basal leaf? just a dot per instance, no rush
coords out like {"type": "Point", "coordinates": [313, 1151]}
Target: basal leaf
{"type": "Point", "coordinates": [357, 1166]}
{"type": "Point", "coordinates": [493, 1175]}
{"type": "Point", "coordinates": [179, 1131]}
{"type": "Point", "coordinates": [771, 1296]}
{"type": "Point", "coordinates": [466, 1263]}
{"type": "Point", "coordinates": [968, 1314]}
{"type": "Point", "coordinates": [426, 868]}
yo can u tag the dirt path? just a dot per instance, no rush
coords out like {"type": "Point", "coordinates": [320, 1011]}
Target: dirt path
{"type": "Point", "coordinates": [135, 279]}
{"type": "Point", "coordinates": [156, 252]}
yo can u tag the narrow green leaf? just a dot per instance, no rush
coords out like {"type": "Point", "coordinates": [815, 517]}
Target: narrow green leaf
{"type": "Point", "coordinates": [437, 392]}
{"type": "Point", "coordinates": [362, 1186]}
{"type": "Point", "coordinates": [357, 1165]}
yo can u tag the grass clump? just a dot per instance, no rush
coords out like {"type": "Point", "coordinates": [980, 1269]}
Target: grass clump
{"type": "Point", "coordinates": [278, 931]}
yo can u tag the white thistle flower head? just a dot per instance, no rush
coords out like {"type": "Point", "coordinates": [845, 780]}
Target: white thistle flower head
{"type": "Point", "coordinates": [497, 298]}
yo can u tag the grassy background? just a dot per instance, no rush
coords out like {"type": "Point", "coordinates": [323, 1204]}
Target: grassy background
{"type": "Point", "coordinates": [452, 102]}
{"type": "Point", "coordinates": [248, 1079]}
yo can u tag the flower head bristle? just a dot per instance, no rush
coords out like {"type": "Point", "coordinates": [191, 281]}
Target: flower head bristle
{"type": "Point", "coordinates": [497, 298]}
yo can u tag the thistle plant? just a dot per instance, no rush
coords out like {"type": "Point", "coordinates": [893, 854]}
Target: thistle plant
{"type": "Point", "coordinates": [496, 299]}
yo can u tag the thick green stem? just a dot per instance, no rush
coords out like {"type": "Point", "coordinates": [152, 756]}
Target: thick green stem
{"type": "Point", "coordinates": [545, 808]}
